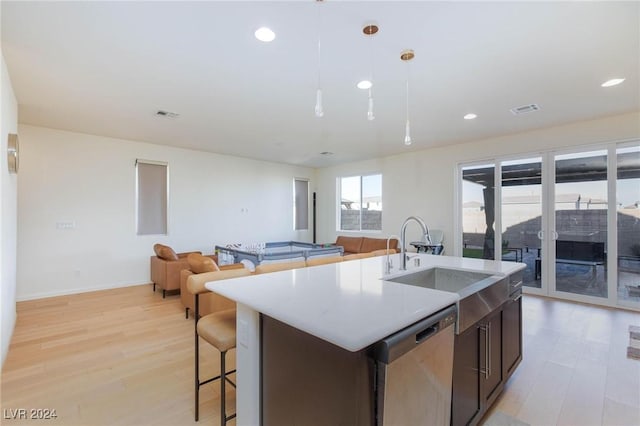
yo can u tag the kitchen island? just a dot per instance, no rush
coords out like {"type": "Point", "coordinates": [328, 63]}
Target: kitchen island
{"type": "Point", "coordinates": [349, 305]}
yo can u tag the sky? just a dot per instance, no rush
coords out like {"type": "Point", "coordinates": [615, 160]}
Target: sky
{"type": "Point", "coordinates": [371, 186]}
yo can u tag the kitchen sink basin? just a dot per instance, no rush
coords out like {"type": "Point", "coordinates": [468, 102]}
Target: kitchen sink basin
{"type": "Point", "coordinates": [480, 293]}
{"type": "Point", "coordinates": [451, 280]}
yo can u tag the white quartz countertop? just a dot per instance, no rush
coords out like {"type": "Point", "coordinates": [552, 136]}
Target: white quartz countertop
{"type": "Point", "coordinates": [349, 303]}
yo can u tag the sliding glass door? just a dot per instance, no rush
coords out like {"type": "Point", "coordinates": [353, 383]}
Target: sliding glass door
{"type": "Point", "coordinates": [521, 216]}
{"type": "Point", "coordinates": [628, 224]}
{"type": "Point", "coordinates": [573, 218]}
{"type": "Point", "coordinates": [579, 231]}
{"type": "Point", "coordinates": [478, 211]}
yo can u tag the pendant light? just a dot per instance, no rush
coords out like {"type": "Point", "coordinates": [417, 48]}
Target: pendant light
{"type": "Point", "coordinates": [319, 111]}
{"type": "Point", "coordinates": [370, 30]}
{"type": "Point", "coordinates": [406, 56]}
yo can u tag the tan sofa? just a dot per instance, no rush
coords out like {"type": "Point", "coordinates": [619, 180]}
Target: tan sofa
{"type": "Point", "coordinates": [203, 269]}
{"type": "Point", "coordinates": [353, 245]}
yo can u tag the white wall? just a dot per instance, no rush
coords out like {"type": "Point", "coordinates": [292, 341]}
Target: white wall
{"type": "Point", "coordinates": [8, 214]}
{"type": "Point", "coordinates": [90, 180]}
{"type": "Point", "coordinates": [422, 182]}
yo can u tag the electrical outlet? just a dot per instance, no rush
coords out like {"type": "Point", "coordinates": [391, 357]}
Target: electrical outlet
{"type": "Point", "coordinates": [66, 225]}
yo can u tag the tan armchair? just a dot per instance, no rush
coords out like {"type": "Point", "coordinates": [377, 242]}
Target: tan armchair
{"type": "Point", "coordinates": [200, 267]}
{"type": "Point", "coordinates": [166, 266]}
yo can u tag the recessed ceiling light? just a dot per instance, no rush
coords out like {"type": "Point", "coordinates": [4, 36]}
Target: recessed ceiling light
{"type": "Point", "coordinates": [470, 116]}
{"type": "Point", "coordinates": [612, 82]}
{"type": "Point", "coordinates": [265, 34]}
{"type": "Point", "coordinates": [364, 84]}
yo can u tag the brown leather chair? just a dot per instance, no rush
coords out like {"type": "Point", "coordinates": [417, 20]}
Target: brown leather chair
{"type": "Point", "coordinates": [201, 266]}
{"type": "Point", "coordinates": [166, 266]}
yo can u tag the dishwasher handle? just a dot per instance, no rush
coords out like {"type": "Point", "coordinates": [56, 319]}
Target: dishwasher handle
{"type": "Point", "coordinates": [393, 347]}
{"type": "Point", "coordinates": [426, 333]}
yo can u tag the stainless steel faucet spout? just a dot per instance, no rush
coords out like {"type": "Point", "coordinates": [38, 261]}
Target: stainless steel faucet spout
{"type": "Point", "coordinates": [388, 263]}
{"type": "Point", "coordinates": [403, 231]}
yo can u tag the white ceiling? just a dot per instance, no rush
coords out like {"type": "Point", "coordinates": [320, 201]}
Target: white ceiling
{"type": "Point", "coordinates": [105, 67]}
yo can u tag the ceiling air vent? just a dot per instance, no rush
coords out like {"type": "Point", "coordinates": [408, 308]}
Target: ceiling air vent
{"type": "Point", "coordinates": [167, 114]}
{"type": "Point", "coordinates": [524, 109]}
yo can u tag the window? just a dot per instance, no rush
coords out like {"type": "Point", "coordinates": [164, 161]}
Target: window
{"type": "Point", "coordinates": [300, 204]}
{"type": "Point", "coordinates": [151, 197]}
{"type": "Point", "coordinates": [360, 204]}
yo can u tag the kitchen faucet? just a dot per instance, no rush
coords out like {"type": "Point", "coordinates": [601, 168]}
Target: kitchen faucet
{"type": "Point", "coordinates": [403, 231]}
{"type": "Point", "coordinates": [389, 265]}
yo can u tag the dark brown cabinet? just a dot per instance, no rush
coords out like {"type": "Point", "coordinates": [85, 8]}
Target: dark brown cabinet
{"type": "Point", "coordinates": [466, 407]}
{"type": "Point", "coordinates": [512, 334]}
{"type": "Point", "coordinates": [485, 356]}
{"type": "Point", "coordinates": [491, 357]}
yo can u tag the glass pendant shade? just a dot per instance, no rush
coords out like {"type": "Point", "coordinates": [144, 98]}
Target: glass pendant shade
{"type": "Point", "coordinates": [319, 109]}
{"type": "Point", "coordinates": [407, 134]}
{"type": "Point", "coordinates": [406, 56]}
{"type": "Point", "coordinates": [370, 115]}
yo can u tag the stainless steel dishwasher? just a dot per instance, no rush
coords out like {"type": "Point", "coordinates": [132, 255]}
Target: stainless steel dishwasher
{"type": "Point", "coordinates": [413, 373]}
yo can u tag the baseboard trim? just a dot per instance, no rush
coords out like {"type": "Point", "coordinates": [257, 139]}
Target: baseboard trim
{"type": "Point", "coordinates": [45, 295]}
{"type": "Point", "coordinates": [5, 347]}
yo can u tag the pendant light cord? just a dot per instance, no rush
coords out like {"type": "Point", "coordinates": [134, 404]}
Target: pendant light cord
{"type": "Point", "coordinates": [319, 110]}
{"type": "Point", "coordinates": [407, 129]}
{"type": "Point", "coordinates": [370, 114]}
{"type": "Point", "coordinates": [407, 86]}
{"type": "Point", "coordinates": [371, 62]}
{"type": "Point", "coordinates": [318, 28]}
{"type": "Point", "coordinates": [318, 59]}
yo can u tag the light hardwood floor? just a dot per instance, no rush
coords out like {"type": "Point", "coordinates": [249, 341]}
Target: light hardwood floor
{"type": "Point", "coordinates": [125, 357]}
{"type": "Point", "coordinates": [121, 357]}
{"type": "Point", "coordinates": [575, 369]}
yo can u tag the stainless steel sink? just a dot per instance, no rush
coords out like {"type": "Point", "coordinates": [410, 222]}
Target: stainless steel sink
{"type": "Point", "coordinates": [451, 280]}
{"type": "Point", "coordinates": [480, 293]}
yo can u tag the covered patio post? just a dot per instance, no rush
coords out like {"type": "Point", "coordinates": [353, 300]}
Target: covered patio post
{"type": "Point", "coordinates": [490, 217]}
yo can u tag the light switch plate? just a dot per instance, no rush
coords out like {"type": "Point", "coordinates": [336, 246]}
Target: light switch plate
{"type": "Point", "coordinates": [66, 225]}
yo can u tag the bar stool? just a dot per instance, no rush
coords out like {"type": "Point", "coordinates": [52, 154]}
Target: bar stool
{"type": "Point", "coordinates": [219, 330]}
